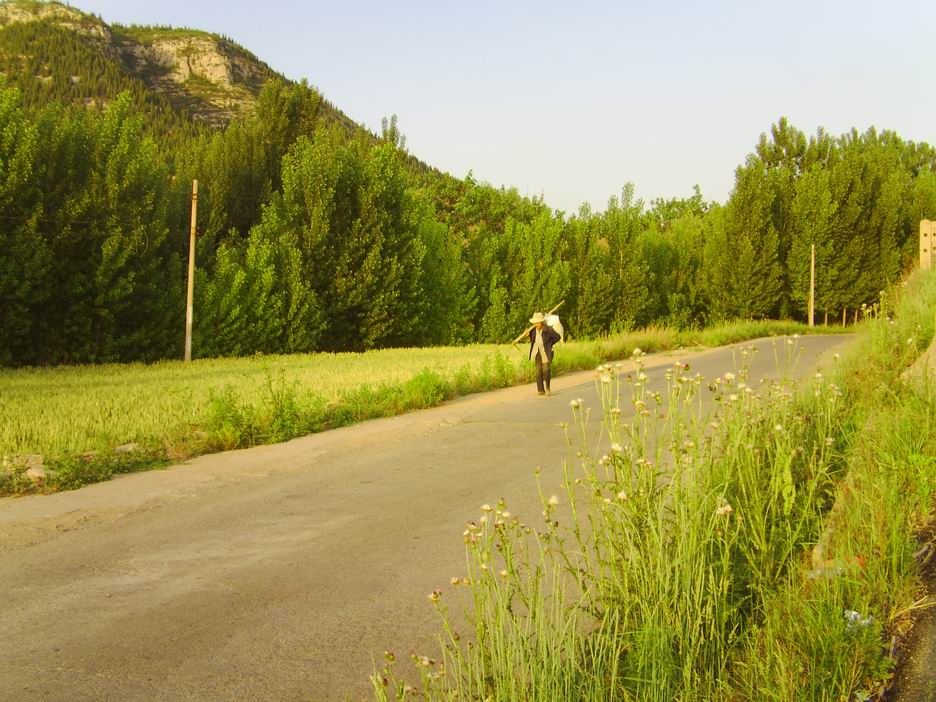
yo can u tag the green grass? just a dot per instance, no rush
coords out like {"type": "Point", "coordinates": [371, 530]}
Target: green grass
{"type": "Point", "coordinates": [174, 411]}
{"type": "Point", "coordinates": [683, 564]}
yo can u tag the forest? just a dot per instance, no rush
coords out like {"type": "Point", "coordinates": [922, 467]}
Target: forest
{"type": "Point", "coordinates": [316, 237]}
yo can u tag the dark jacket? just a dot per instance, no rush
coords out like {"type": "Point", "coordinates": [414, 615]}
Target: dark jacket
{"type": "Point", "coordinates": [550, 337]}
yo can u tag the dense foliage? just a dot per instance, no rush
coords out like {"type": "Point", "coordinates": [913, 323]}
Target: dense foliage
{"type": "Point", "coordinates": [316, 237]}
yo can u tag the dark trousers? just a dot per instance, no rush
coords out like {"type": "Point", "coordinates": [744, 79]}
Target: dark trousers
{"type": "Point", "coordinates": [542, 374]}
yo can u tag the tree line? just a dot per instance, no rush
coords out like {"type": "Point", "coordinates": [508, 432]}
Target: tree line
{"type": "Point", "coordinates": [313, 238]}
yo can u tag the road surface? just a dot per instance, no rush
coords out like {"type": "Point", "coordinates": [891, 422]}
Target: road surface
{"type": "Point", "coordinates": [280, 572]}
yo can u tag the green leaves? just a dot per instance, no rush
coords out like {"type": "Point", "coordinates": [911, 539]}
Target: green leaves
{"type": "Point", "coordinates": [312, 236]}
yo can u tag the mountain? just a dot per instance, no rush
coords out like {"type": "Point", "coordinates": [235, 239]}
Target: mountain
{"type": "Point", "coordinates": [52, 51]}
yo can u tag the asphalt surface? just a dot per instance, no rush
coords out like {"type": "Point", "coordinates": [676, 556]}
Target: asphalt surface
{"type": "Point", "coordinates": [280, 572]}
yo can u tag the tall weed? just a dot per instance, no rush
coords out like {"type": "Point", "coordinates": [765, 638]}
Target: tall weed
{"type": "Point", "coordinates": [698, 557]}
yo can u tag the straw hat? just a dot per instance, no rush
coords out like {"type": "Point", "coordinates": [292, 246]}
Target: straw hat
{"type": "Point", "coordinates": [537, 318]}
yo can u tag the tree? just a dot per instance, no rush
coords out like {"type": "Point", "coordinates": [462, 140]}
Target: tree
{"type": "Point", "coordinates": [812, 218]}
{"type": "Point", "coordinates": [25, 260]}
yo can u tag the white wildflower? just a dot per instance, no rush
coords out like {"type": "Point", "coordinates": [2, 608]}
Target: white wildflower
{"type": "Point", "coordinates": [854, 620]}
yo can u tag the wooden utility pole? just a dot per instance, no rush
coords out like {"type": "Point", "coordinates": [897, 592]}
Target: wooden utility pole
{"type": "Point", "coordinates": [191, 276]}
{"type": "Point", "coordinates": [812, 286]}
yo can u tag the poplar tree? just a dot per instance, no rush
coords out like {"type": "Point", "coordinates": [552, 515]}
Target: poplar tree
{"type": "Point", "coordinates": [25, 260]}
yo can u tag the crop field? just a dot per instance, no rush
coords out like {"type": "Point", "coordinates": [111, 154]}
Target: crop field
{"type": "Point", "coordinates": [62, 410]}
{"type": "Point", "coordinates": [172, 411]}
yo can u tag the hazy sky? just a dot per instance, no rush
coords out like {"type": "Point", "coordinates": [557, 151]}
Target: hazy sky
{"type": "Point", "coordinates": [575, 99]}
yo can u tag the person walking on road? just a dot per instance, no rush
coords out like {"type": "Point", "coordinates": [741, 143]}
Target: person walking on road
{"type": "Point", "coordinates": [542, 338]}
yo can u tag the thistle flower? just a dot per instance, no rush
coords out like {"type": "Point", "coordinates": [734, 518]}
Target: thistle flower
{"type": "Point", "coordinates": [622, 496]}
{"type": "Point", "coordinates": [553, 501]}
{"type": "Point", "coordinates": [616, 448]}
{"type": "Point", "coordinates": [724, 509]}
{"type": "Point", "coordinates": [729, 376]}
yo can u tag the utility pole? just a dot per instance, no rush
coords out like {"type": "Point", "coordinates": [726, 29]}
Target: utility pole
{"type": "Point", "coordinates": [812, 286]}
{"type": "Point", "coordinates": [191, 276]}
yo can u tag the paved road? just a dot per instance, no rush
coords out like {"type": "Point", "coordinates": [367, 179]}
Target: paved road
{"type": "Point", "coordinates": [277, 572]}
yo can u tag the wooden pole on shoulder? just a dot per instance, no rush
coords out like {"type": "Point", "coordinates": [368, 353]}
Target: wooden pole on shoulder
{"type": "Point", "coordinates": [191, 276]}
{"type": "Point", "coordinates": [527, 331]}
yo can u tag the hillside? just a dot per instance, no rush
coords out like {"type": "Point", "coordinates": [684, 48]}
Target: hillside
{"type": "Point", "coordinates": [51, 51]}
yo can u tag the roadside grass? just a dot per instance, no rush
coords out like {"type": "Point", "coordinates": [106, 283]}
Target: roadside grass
{"type": "Point", "coordinates": [832, 629]}
{"type": "Point", "coordinates": [74, 417]}
{"type": "Point", "coordinates": [764, 550]}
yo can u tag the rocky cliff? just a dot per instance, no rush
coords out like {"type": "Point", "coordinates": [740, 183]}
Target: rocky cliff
{"type": "Point", "coordinates": [209, 76]}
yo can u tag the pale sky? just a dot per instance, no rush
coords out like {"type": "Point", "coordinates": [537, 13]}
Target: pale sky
{"type": "Point", "coordinates": [574, 99]}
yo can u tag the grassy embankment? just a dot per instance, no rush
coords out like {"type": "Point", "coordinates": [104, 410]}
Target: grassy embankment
{"type": "Point", "coordinates": [75, 416]}
{"type": "Point", "coordinates": [685, 563]}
